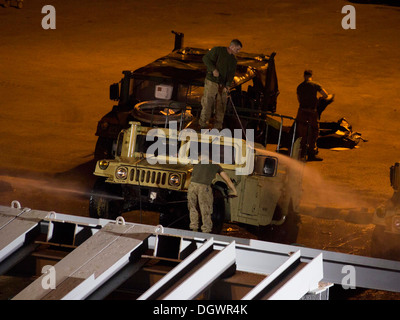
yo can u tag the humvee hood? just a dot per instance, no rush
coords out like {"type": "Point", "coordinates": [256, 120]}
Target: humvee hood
{"type": "Point", "coordinates": [144, 163]}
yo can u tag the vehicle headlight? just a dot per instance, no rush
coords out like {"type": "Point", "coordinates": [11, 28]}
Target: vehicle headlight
{"type": "Point", "coordinates": [121, 173]}
{"type": "Point", "coordinates": [103, 164]}
{"type": "Point", "coordinates": [174, 180]}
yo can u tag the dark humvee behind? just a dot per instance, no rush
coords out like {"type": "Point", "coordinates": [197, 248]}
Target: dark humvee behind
{"type": "Point", "coordinates": [175, 83]}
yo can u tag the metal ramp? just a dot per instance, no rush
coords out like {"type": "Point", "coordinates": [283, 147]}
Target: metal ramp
{"type": "Point", "coordinates": [17, 225]}
{"type": "Point", "coordinates": [292, 280]}
{"type": "Point", "coordinates": [90, 264]}
{"type": "Point", "coordinates": [157, 263]}
{"type": "Point", "coordinates": [194, 274]}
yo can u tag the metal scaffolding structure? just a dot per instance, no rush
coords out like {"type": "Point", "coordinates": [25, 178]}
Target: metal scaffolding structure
{"type": "Point", "coordinates": [91, 258]}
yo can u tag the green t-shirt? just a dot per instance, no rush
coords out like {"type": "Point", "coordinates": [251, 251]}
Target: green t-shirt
{"type": "Point", "coordinates": [307, 94]}
{"type": "Point", "coordinates": [205, 173]}
{"type": "Point", "coordinates": [219, 58]}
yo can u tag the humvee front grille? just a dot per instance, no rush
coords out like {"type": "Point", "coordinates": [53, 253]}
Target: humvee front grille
{"type": "Point", "coordinates": [153, 178]}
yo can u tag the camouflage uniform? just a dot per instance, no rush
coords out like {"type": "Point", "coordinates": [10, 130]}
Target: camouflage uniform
{"type": "Point", "coordinates": [213, 92]}
{"type": "Point", "coordinates": [218, 58]}
{"type": "Point", "coordinates": [203, 195]}
{"type": "Point", "coordinates": [200, 195]}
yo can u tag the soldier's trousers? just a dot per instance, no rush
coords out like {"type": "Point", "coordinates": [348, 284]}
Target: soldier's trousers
{"type": "Point", "coordinates": [200, 196]}
{"type": "Point", "coordinates": [213, 96]}
{"type": "Point", "coordinates": [308, 129]}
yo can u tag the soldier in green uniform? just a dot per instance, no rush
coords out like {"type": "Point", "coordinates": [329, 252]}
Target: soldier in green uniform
{"type": "Point", "coordinates": [200, 193]}
{"type": "Point", "coordinates": [221, 68]}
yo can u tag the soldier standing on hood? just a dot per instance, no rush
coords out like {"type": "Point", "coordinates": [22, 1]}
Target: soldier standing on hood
{"type": "Point", "coordinates": [221, 68]}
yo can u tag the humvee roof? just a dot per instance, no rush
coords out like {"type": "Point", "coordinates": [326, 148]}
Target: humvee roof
{"type": "Point", "coordinates": [186, 65]}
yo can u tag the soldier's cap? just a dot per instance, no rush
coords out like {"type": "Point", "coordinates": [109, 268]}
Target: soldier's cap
{"type": "Point", "coordinates": [308, 72]}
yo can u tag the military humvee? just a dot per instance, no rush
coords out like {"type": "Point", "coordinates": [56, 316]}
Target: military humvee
{"type": "Point", "coordinates": [152, 172]}
{"type": "Point", "coordinates": [386, 236]}
{"type": "Point", "coordinates": [179, 80]}
{"type": "Point", "coordinates": [138, 170]}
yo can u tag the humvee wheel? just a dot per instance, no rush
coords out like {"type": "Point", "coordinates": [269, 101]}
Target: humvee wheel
{"type": "Point", "coordinates": [290, 228]}
{"type": "Point", "coordinates": [285, 233]}
{"type": "Point", "coordinates": [105, 200]}
{"type": "Point", "coordinates": [176, 216]}
{"type": "Point", "coordinates": [259, 128]}
{"type": "Point", "coordinates": [384, 245]}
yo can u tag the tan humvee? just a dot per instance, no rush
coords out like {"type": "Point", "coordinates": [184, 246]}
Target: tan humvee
{"type": "Point", "coordinates": [152, 169]}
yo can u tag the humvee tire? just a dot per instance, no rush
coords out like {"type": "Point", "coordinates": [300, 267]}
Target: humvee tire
{"type": "Point", "coordinates": [384, 245]}
{"type": "Point", "coordinates": [285, 233]}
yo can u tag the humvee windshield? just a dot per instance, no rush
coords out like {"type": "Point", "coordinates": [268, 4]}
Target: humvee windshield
{"type": "Point", "coordinates": [218, 153]}
{"type": "Point", "coordinates": [167, 147]}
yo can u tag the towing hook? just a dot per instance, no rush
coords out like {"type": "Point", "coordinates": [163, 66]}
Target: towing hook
{"type": "Point", "coordinates": [15, 204]}
{"type": "Point", "coordinates": [159, 229]}
{"type": "Point", "coordinates": [52, 213]}
{"type": "Point", "coordinates": [120, 220]}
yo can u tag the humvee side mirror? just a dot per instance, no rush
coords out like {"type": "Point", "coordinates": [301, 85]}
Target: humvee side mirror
{"type": "Point", "coordinates": [114, 92]}
{"type": "Point", "coordinates": [270, 166]}
{"type": "Point", "coordinates": [266, 166]}
{"type": "Point", "coordinates": [395, 176]}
